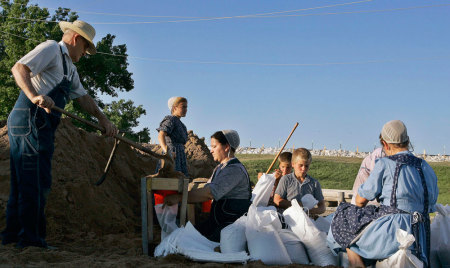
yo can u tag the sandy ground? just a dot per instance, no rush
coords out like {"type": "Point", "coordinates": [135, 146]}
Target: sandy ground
{"type": "Point", "coordinates": [96, 226]}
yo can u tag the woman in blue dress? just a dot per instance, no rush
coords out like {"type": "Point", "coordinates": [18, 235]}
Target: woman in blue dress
{"type": "Point", "coordinates": [172, 137]}
{"type": "Point", "coordinates": [173, 133]}
{"type": "Point", "coordinates": [406, 187]}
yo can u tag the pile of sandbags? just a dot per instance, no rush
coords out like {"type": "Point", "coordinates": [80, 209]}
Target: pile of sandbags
{"type": "Point", "coordinates": [260, 233]}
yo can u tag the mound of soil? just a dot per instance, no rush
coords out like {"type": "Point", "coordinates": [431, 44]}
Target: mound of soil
{"type": "Point", "coordinates": [96, 226]}
{"type": "Point", "coordinates": [78, 208]}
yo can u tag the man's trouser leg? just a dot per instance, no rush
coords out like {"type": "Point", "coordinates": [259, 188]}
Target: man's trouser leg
{"type": "Point", "coordinates": [30, 184]}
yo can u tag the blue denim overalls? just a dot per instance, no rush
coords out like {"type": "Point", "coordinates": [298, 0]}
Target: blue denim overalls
{"type": "Point", "coordinates": [31, 134]}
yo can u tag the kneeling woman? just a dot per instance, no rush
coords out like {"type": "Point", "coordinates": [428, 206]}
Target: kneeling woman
{"type": "Point", "coordinates": [229, 187]}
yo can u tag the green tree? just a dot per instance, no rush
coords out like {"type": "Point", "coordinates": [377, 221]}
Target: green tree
{"type": "Point", "coordinates": [23, 26]}
{"type": "Point", "coordinates": [125, 115]}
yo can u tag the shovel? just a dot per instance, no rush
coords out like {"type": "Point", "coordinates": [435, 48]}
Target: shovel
{"type": "Point", "coordinates": [167, 163]}
{"type": "Point", "coordinates": [108, 165]}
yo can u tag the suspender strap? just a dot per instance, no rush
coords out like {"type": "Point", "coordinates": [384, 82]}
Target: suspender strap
{"type": "Point", "coordinates": [63, 62]}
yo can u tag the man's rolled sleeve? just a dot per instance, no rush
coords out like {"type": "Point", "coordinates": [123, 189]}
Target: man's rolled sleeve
{"type": "Point", "coordinates": [77, 88]}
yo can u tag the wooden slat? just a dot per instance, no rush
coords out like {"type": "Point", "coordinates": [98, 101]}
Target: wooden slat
{"type": "Point", "coordinates": [165, 184]}
{"type": "Point", "coordinates": [144, 216]}
{"type": "Point", "coordinates": [336, 194]}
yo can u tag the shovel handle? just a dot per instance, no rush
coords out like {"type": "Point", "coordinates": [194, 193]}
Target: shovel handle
{"type": "Point", "coordinates": [117, 136]}
{"type": "Point", "coordinates": [281, 150]}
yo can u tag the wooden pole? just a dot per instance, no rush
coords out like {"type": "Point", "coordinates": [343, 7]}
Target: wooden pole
{"type": "Point", "coordinates": [117, 136]}
{"type": "Point", "coordinates": [281, 150]}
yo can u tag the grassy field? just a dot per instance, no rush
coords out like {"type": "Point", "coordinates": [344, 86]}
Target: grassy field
{"type": "Point", "coordinates": [340, 172]}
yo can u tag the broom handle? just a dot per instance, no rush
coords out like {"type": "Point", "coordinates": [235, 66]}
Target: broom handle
{"type": "Point", "coordinates": [281, 150]}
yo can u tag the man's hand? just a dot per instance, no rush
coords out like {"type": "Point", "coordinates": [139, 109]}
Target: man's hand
{"type": "Point", "coordinates": [44, 102]}
{"type": "Point", "coordinates": [110, 128]}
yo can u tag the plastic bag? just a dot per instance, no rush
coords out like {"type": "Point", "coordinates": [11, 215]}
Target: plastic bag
{"type": "Point", "coordinates": [403, 258]}
{"type": "Point", "coordinates": [322, 224]}
{"type": "Point", "coordinates": [232, 237]}
{"type": "Point", "coordinates": [440, 236]}
{"type": "Point", "coordinates": [263, 189]}
{"type": "Point", "coordinates": [313, 239]}
{"type": "Point", "coordinates": [264, 242]}
{"type": "Point", "coordinates": [294, 247]}
{"type": "Point", "coordinates": [308, 201]}
{"type": "Point", "coordinates": [167, 216]}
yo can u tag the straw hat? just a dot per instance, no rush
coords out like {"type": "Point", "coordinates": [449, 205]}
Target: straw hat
{"type": "Point", "coordinates": [82, 28]}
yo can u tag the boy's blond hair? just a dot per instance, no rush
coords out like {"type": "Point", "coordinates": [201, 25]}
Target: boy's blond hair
{"type": "Point", "coordinates": [301, 153]}
{"type": "Point", "coordinates": [285, 157]}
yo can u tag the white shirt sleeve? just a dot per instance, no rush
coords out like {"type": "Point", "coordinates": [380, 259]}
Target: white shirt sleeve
{"type": "Point", "coordinates": [42, 57]}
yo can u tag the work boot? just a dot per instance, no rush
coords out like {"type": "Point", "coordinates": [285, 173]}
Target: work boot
{"type": "Point", "coordinates": [8, 239]}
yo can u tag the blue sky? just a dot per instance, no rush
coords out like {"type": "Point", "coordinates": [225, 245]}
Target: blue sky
{"type": "Point", "coordinates": [394, 65]}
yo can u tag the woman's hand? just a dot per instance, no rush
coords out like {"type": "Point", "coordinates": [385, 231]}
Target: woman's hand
{"type": "Point", "coordinates": [172, 199]}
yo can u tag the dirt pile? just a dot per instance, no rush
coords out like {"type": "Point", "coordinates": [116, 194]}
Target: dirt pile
{"type": "Point", "coordinates": [96, 226]}
{"type": "Point", "coordinates": [76, 205]}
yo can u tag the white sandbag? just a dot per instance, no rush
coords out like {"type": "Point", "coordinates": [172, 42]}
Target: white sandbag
{"type": "Point", "coordinates": [263, 240]}
{"type": "Point", "coordinates": [308, 201]}
{"type": "Point", "coordinates": [168, 245]}
{"type": "Point", "coordinates": [294, 247]}
{"type": "Point", "coordinates": [184, 238]}
{"type": "Point", "coordinates": [203, 256]}
{"type": "Point", "coordinates": [403, 258]}
{"type": "Point", "coordinates": [167, 216]}
{"type": "Point", "coordinates": [440, 235]}
{"type": "Point", "coordinates": [322, 224]}
{"type": "Point", "coordinates": [263, 189]}
{"type": "Point", "coordinates": [192, 239]}
{"type": "Point", "coordinates": [313, 239]}
{"type": "Point", "coordinates": [232, 237]}
{"type": "Point", "coordinates": [190, 243]}
{"type": "Point", "coordinates": [266, 245]}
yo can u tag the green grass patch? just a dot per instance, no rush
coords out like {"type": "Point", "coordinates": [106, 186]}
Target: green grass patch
{"type": "Point", "coordinates": [340, 172]}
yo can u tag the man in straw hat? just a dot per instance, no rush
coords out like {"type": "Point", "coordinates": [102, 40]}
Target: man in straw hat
{"type": "Point", "coordinates": [46, 77]}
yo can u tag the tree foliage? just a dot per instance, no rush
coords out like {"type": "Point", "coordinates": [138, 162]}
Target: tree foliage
{"type": "Point", "coordinates": [125, 115]}
{"type": "Point", "coordinates": [23, 26]}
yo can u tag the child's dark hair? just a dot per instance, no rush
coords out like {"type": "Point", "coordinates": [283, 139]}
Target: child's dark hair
{"type": "Point", "coordinates": [219, 136]}
{"type": "Point", "coordinates": [285, 157]}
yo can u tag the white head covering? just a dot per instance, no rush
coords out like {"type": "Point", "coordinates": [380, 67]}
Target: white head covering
{"type": "Point", "coordinates": [394, 132]}
{"type": "Point", "coordinates": [171, 101]}
{"type": "Point", "coordinates": [232, 137]}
